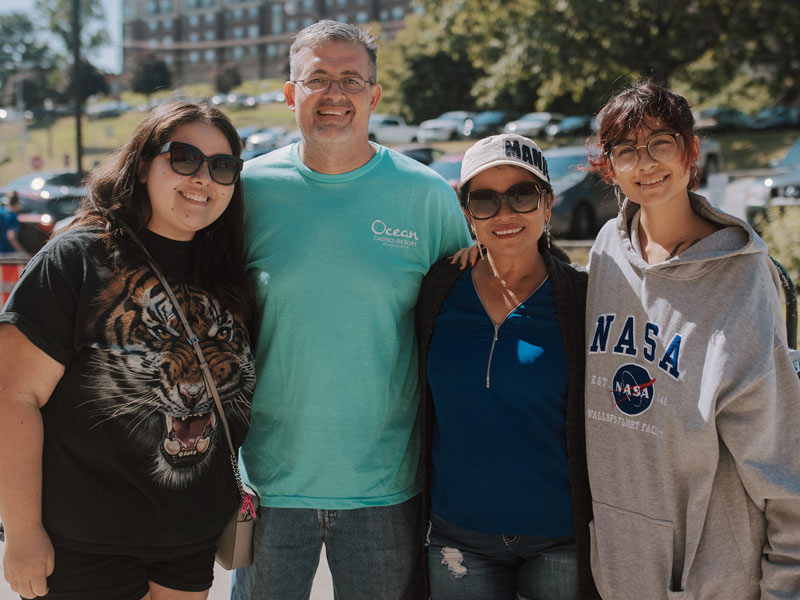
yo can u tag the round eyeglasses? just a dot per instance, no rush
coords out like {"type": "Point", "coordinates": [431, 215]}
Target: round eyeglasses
{"type": "Point", "coordinates": [349, 85]}
{"type": "Point", "coordinates": [521, 198]}
{"type": "Point", "coordinates": [662, 147]}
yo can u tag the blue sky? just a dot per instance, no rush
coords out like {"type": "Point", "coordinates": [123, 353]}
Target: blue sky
{"type": "Point", "coordinates": [110, 57]}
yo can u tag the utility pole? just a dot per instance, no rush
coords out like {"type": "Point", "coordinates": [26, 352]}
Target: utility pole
{"type": "Point", "coordinates": [76, 82]}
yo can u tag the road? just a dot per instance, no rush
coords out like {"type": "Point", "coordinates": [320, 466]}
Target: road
{"type": "Point", "coordinates": [321, 590]}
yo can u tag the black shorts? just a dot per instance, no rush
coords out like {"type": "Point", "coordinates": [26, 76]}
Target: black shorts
{"type": "Point", "coordinates": [86, 576]}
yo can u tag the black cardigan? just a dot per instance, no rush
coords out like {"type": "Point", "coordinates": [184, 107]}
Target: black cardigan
{"type": "Point", "coordinates": [569, 290]}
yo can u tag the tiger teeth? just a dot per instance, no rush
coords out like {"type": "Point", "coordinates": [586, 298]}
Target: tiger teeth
{"type": "Point", "coordinates": [172, 447]}
{"type": "Point", "coordinates": [202, 444]}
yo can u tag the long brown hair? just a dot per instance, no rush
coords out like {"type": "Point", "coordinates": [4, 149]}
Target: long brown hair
{"type": "Point", "coordinates": [628, 110]}
{"type": "Point", "coordinates": [116, 194]}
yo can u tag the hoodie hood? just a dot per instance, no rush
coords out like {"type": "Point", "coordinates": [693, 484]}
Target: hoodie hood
{"type": "Point", "coordinates": [734, 237]}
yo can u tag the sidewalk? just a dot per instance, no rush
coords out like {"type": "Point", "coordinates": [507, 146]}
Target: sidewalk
{"type": "Point", "coordinates": [322, 589]}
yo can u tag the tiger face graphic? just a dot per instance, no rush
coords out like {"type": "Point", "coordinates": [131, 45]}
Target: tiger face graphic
{"type": "Point", "coordinates": [145, 378]}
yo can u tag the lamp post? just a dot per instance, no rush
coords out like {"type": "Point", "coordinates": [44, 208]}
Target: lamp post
{"type": "Point", "coordinates": [48, 106]}
{"type": "Point", "coordinates": [76, 79]}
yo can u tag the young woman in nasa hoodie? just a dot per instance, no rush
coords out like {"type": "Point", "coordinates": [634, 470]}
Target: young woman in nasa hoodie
{"type": "Point", "coordinates": [692, 404]}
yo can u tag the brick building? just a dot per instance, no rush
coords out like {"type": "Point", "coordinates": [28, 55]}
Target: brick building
{"type": "Point", "coordinates": [195, 36]}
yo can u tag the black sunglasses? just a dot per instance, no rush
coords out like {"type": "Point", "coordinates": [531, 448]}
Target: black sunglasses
{"type": "Point", "coordinates": [522, 198]}
{"type": "Point", "coordinates": [185, 159]}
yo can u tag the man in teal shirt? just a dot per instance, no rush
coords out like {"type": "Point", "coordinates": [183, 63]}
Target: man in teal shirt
{"type": "Point", "coordinates": [342, 232]}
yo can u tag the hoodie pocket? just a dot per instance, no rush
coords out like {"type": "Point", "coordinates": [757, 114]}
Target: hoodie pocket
{"type": "Point", "coordinates": [631, 555]}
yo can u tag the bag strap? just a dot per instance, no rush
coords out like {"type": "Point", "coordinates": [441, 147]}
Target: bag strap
{"type": "Point", "coordinates": [195, 343]}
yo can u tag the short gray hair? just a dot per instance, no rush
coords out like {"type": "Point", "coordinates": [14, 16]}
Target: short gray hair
{"type": "Point", "coordinates": [334, 31]}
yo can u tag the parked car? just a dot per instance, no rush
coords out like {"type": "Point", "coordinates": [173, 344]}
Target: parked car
{"type": "Point", "coordinates": [722, 119]}
{"type": "Point", "coordinates": [776, 117]}
{"type": "Point", "coordinates": [710, 159]}
{"type": "Point", "coordinates": [583, 202]}
{"type": "Point", "coordinates": [781, 187]}
{"type": "Point", "coordinates": [391, 129]}
{"type": "Point", "coordinates": [107, 110]}
{"type": "Point", "coordinates": [424, 154]}
{"type": "Point", "coordinates": [45, 198]}
{"type": "Point", "coordinates": [488, 122]}
{"type": "Point", "coordinates": [447, 126]}
{"type": "Point", "coordinates": [577, 126]}
{"type": "Point", "coordinates": [449, 167]}
{"type": "Point", "coordinates": [533, 125]}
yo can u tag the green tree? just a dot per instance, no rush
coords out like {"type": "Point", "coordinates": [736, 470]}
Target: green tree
{"type": "Point", "coordinates": [227, 78]}
{"type": "Point", "coordinates": [92, 81]}
{"type": "Point", "coordinates": [24, 61]}
{"type": "Point", "coordinates": [149, 74]}
{"type": "Point", "coordinates": [57, 15]}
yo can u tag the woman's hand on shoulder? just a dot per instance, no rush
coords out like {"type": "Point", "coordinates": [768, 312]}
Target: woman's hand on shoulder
{"type": "Point", "coordinates": [466, 257]}
{"type": "Point", "coordinates": [29, 559]}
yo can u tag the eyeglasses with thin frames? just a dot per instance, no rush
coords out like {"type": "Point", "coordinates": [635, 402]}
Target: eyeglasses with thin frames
{"type": "Point", "coordinates": [661, 147]}
{"type": "Point", "coordinates": [349, 85]}
{"type": "Point", "coordinates": [185, 159]}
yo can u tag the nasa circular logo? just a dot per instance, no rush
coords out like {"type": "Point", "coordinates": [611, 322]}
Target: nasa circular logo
{"type": "Point", "coordinates": [633, 389]}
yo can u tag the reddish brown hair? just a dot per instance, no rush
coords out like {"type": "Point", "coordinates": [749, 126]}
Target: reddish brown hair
{"type": "Point", "coordinates": [629, 110]}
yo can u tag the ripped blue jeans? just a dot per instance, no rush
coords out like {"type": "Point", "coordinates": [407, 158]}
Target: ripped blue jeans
{"type": "Point", "coordinates": [470, 565]}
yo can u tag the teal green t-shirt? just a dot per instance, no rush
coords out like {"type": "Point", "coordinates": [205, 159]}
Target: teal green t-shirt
{"type": "Point", "coordinates": [337, 261]}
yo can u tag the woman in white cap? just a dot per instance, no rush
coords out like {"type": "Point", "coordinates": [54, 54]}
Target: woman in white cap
{"type": "Point", "coordinates": [502, 370]}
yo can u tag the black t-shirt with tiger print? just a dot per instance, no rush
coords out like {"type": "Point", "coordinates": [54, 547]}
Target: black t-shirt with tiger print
{"type": "Point", "coordinates": [135, 460]}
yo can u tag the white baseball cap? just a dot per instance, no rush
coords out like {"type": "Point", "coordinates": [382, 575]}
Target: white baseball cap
{"type": "Point", "coordinates": [503, 149]}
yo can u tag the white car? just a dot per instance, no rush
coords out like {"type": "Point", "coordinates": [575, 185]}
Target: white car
{"type": "Point", "coordinates": [391, 129]}
{"type": "Point", "coordinates": [533, 125]}
{"type": "Point", "coordinates": [447, 126]}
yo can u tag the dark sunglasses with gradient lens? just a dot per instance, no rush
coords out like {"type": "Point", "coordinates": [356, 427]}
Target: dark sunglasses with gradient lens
{"type": "Point", "coordinates": [185, 159]}
{"type": "Point", "coordinates": [522, 198]}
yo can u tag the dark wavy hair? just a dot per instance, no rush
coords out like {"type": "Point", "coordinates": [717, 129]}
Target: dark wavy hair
{"type": "Point", "coordinates": [117, 195]}
{"type": "Point", "coordinates": [631, 108]}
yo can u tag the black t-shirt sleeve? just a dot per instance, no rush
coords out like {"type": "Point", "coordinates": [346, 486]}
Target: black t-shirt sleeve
{"type": "Point", "coordinates": [44, 303]}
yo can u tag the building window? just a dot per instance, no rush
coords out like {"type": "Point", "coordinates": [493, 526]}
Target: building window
{"type": "Point", "coordinates": [209, 35]}
{"type": "Point", "coordinates": [277, 18]}
{"type": "Point", "coordinates": [152, 7]}
{"type": "Point", "coordinates": [291, 25]}
{"type": "Point", "coordinates": [290, 8]}
{"type": "Point", "coordinates": [238, 32]}
{"type": "Point", "coordinates": [253, 50]}
{"type": "Point", "coordinates": [152, 43]}
{"type": "Point", "coordinates": [398, 12]}
{"type": "Point", "coordinates": [341, 17]}
{"type": "Point", "coordinates": [194, 57]}
{"type": "Point", "coordinates": [362, 16]}
{"type": "Point", "coordinates": [167, 41]}
{"type": "Point", "coordinates": [271, 51]}
{"type": "Point", "coordinates": [210, 18]}
{"type": "Point", "coordinates": [210, 55]}
{"type": "Point", "coordinates": [252, 31]}
{"type": "Point", "coordinates": [166, 6]}
{"type": "Point", "coordinates": [237, 14]}
{"type": "Point", "coordinates": [308, 5]}
{"type": "Point", "coordinates": [194, 20]}
{"type": "Point", "coordinates": [194, 36]}
{"type": "Point", "coordinates": [130, 10]}
{"type": "Point", "coordinates": [238, 52]}
{"type": "Point", "coordinates": [168, 59]}
{"type": "Point", "coordinates": [341, 2]}
{"type": "Point", "coordinates": [253, 12]}
{"type": "Point", "coordinates": [384, 15]}
{"type": "Point", "coordinates": [152, 26]}
{"type": "Point", "coordinates": [308, 21]}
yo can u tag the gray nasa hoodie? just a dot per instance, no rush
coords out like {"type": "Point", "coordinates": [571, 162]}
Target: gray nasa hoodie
{"type": "Point", "coordinates": [692, 420]}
